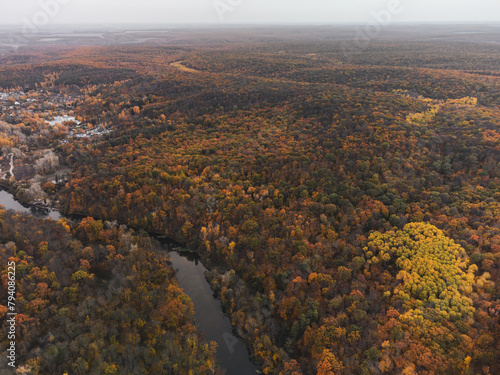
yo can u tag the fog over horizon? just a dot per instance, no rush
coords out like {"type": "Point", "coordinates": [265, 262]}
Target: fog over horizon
{"type": "Point", "coordinates": [229, 12]}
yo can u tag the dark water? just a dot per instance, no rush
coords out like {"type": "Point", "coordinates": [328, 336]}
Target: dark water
{"type": "Point", "coordinates": [232, 354]}
{"type": "Point", "coordinates": [8, 201]}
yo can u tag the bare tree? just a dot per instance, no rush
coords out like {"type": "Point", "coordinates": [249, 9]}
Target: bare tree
{"type": "Point", "coordinates": [47, 163]}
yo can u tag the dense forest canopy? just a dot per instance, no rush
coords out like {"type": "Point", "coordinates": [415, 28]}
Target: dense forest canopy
{"type": "Point", "coordinates": [347, 205]}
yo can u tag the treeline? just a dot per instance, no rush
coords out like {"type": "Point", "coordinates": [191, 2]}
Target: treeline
{"type": "Point", "coordinates": [33, 77]}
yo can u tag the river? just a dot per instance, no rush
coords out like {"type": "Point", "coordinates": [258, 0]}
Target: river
{"type": "Point", "coordinates": [232, 354]}
{"type": "Point", "coordinates": [7, 200]}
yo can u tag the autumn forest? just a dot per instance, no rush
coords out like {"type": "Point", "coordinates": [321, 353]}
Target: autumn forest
{"type": "Point", "coordinates": [344, 200]}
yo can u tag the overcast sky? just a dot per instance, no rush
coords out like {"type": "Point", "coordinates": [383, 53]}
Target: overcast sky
{"type": "Point", "coordinates": [244, 11]}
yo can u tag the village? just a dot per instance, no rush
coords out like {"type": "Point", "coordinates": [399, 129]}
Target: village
{"type": "Point", "coordinates": [32, 125]}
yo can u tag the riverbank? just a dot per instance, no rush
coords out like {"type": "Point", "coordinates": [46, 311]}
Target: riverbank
{"type": "Point", "coordinates": [15, 188]}
{"type": "Point", "coordinates": [232, 353]}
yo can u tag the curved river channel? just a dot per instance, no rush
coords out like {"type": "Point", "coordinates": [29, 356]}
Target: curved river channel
{"type": "Point", "coordinates": [232, 353]}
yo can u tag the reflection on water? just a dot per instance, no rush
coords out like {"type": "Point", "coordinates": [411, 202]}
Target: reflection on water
{"type": "Point", "coordinates": [231, 353]}
{"type": "Point", "coordinates": [8, 201]}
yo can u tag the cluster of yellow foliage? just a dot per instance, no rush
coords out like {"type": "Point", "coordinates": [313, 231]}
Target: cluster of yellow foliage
{"type": "Point", "coordinates": [432, 267]}
{"type": "Point", "coordinates": [425, 117]}
{"type": "Point", "coordinates": [468, 100]}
